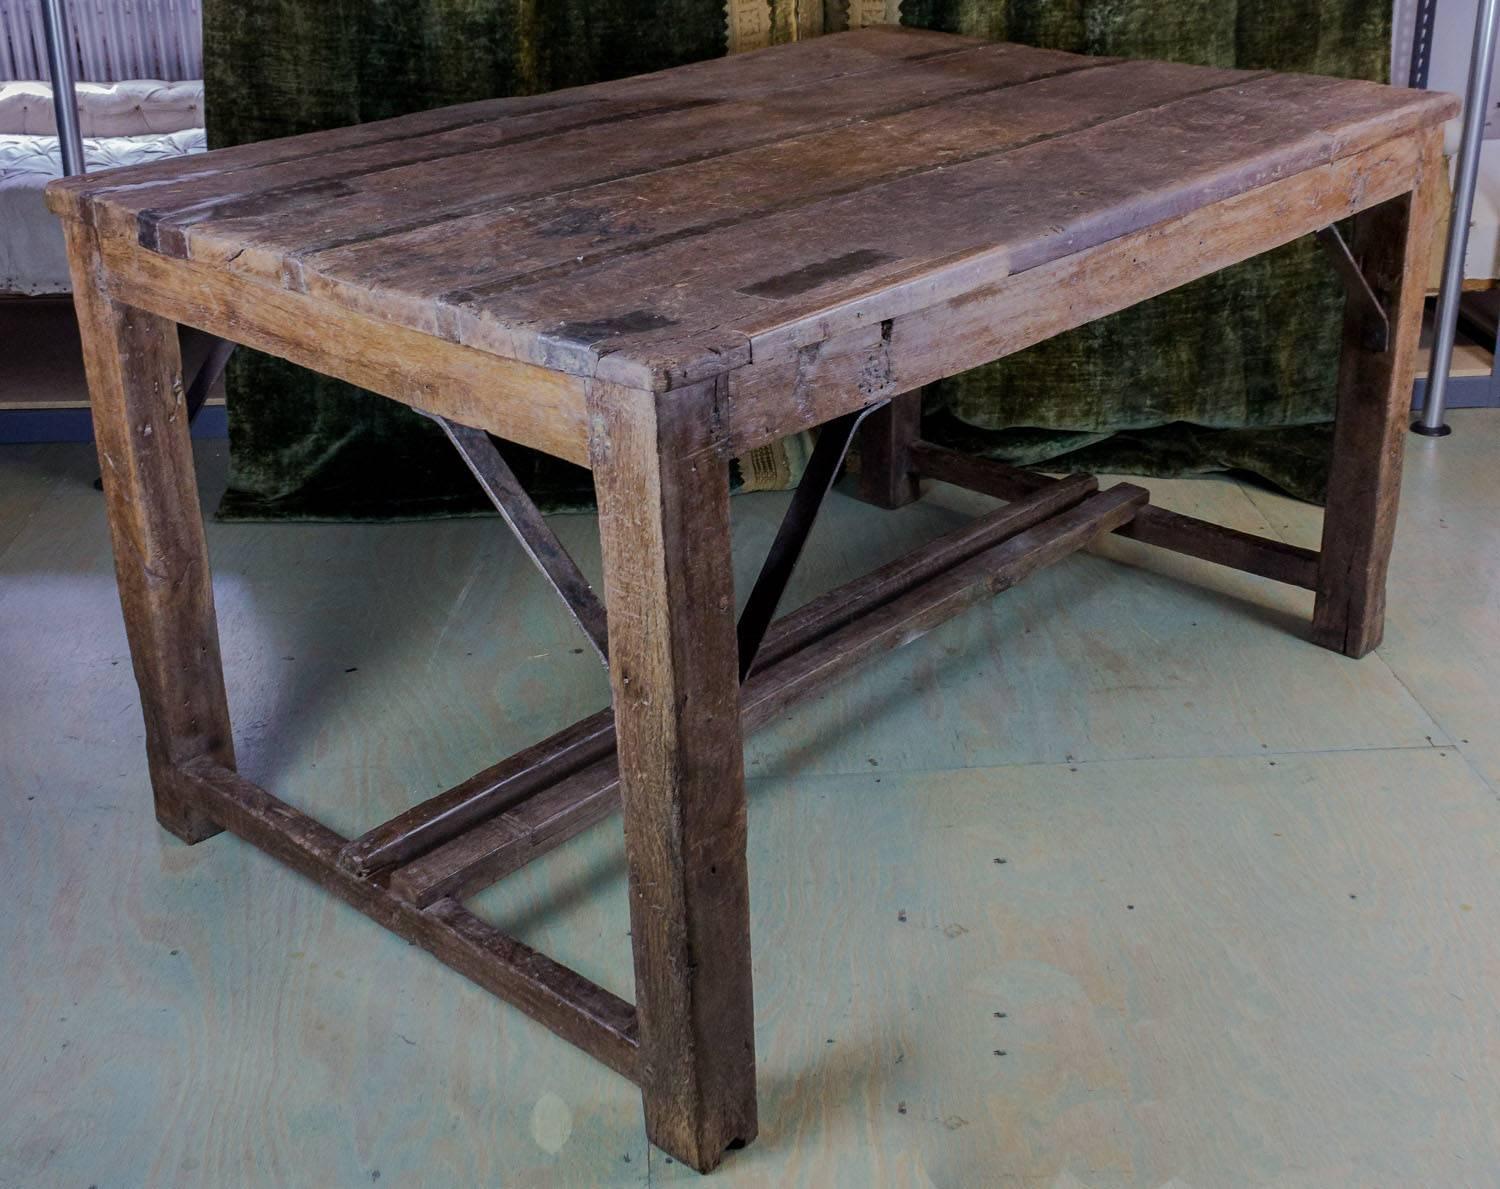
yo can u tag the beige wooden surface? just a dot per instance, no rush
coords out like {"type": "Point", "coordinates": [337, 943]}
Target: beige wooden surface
{"type": "Point", "coordinates": [1247, 1022]}
{"type": "Point", "coordinates": [661, 229]}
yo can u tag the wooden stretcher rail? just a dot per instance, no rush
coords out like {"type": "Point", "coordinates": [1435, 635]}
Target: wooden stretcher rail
{"type": "Point", "coordinates": [515, 780]}
{"type": "Point", "coordinates": [508, 841]}
{"type": "Point", "coordinates": [596, 1020]}
{"type": "Point", "coordinates": [1155, 526]}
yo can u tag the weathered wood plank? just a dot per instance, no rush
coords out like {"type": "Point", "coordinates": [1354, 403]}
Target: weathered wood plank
{"type": "Point", "coordinates": [523, 403]}
{"type": "Point", "coordinates": [537, 203]}
{"type": "Point", "coordinates": [853, 360]}
{"type": "Point", "coordinates": [780, 279]}
{"type": "Point", "coordinates": [247, 168]}
{"type": "Point", "coordinates": [1156, 526]}
{"type": "Point", "coordinates": [669, 584]}
{"type": "Point", "coordinates": [822, 236]}
{"type": "Point", "coordinates": [1392, 243]}
{"type": "Point", "coordinates": [579, 1011]}
{"type": "Point", "coordinates": [902, 126]}
{"type": "Point", "coordinates": [140, 420]}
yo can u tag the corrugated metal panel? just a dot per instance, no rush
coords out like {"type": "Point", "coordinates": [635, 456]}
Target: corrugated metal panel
{"type": "Point", "coordinates": [115, 39]}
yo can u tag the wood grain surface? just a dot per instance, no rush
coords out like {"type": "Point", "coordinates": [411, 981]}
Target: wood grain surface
{"type": "Point", "coordinates": [655, 227]}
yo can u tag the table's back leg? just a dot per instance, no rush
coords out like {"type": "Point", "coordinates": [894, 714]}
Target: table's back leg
{"type": "Point", "coordinates": [669, 585]}
{"type": "Point", "coordinates": [1391, 243]}
{"type": "Point", "coordinates": [885, 475]}
{"type": "Point", "coordinates": [134, 370]}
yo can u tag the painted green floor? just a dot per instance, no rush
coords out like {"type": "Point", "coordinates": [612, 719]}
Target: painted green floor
{"type": "Point", "coordinates": [1245, 932]}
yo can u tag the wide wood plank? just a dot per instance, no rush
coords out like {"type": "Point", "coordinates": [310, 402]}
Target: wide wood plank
{"type": "Point", "coordinates": [520, 402]}
{"type": "Point", "coordinates": [489, 169]}
{"type": "Point", "coordinates": [413, 275]}
{"type": "Point", "coordinates": [853, 361]}
{"type": "Point", "coordinates": [657, 232]}
{"type": "Point", "coordinates": [939, 231]}
{"type": "Point", "coordinates": [168, 184]}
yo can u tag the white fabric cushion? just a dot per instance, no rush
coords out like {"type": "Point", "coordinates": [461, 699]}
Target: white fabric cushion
{"type": "Point", "coordinates": [132, 108]}
{"type": "Point", "coordinates": [32, 256]}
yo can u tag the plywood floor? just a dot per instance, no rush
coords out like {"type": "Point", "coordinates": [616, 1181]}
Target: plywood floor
{"type": "Point", "coordinates": [1247, 929]}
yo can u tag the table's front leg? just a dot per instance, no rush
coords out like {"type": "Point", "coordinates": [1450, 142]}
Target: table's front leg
{"type": "Point", "coordinates": [669, 585]}
{"type": "Point", "coordinates": [134, 369]}
{"type": "Point", "coordinates": [1391, 243]}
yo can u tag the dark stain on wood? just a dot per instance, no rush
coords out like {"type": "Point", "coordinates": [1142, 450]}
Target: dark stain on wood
{"type": "Point", "coordinates": [810, 276]}
{"type": "Point", "coordinates": [598, 329]}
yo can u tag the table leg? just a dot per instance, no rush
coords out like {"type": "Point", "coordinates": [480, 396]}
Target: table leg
{"type": "Point", "coordinates": [669, 585]}
{"type": "Point", "coordinates": [1391, 243]}
{"type": "Point", "coordinates": [885, 475]}
{"type": "Point", "coordinates": [134, 370]}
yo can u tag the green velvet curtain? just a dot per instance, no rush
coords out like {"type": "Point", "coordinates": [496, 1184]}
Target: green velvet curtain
{"type": "Point", "coordinates": [1232, 372]}
{"type": "Point", "coordinates": [303, 446]}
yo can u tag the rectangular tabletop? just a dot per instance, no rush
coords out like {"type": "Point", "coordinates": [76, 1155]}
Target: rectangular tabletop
{"type": "Point", "coordinates": [661, 229]}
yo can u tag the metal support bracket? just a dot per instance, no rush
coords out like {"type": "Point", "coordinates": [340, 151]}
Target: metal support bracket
{"type": "Point", "coordinates": [542, 546]}
{"type": "Point", "coordinates": [526, 521]}
{"type": "Point", "coordinates": [209, 371]}
{"type": "Point", "coordinates": [1375, 322]}
{"type": "Point", "coordinates": [776, 571]}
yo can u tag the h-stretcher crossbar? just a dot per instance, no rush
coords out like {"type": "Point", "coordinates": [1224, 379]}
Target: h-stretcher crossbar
{"type": "Point", "coordinates": [502, 818]}
{"type": "Point", "coordinates": [411, 873]}
{"type": "Point", "coordinates": [515, 780]}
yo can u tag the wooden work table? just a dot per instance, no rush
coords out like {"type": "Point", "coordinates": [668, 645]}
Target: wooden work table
{"type": "Point", "coordinates": [652, 276]}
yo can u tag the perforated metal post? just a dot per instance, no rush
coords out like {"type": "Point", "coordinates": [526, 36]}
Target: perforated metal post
{"type": "Point", "coordinates": [1445, 319]}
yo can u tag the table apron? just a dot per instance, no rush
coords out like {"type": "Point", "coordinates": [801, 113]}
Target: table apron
{"type": "Point", "coordinates": [801, 376]}
{"type": "Point", "coordinates": [873, 350]}
{"type": "Point", "coordinates": [521, 402]}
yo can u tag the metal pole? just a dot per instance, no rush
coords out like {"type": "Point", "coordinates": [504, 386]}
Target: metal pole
{"type": "Point", "coordinates": [1450, 290]}
{"type": "Point", "coordinates": [64, 92]}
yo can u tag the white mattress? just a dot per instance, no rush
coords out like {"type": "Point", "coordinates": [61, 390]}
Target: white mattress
{"type": "Point", "coordinates": [32, 257]}
{"type": "Point", "coordinates": [124, 123]}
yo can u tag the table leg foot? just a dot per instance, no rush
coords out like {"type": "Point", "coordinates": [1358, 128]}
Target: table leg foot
{"type": "Point", "coordinates": [140, 414]}
{"type": "Point", "coordinates": [1391, 244]}
{"type": "Point", "coordinates": [673, 663]}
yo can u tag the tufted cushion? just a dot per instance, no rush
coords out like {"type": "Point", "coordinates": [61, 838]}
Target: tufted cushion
{"type": "Point", "coordinates": [32, 257]}
{"type": "Point", "coordinates": [132, 108]}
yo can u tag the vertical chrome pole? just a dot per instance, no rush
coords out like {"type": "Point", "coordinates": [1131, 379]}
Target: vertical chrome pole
{"type": "Point", "coordinates": [64, 91]}
{"type": "Point", "coordinates": [1450, 290]}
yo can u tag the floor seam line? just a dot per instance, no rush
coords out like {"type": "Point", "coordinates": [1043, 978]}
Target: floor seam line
{"type": "Point", "coordinates": [1071, 763]}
